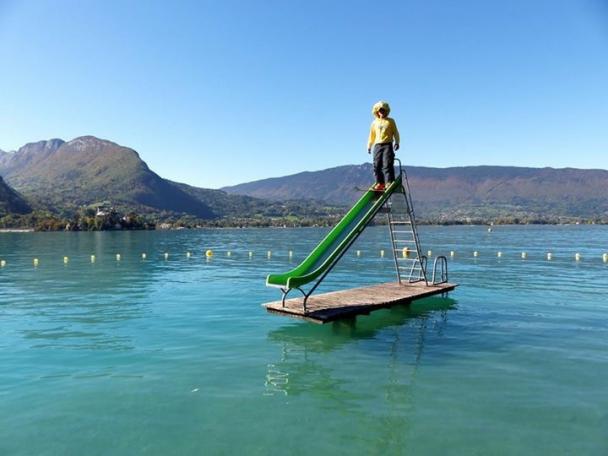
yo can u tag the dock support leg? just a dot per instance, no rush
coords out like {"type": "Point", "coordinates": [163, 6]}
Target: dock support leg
{"type": "Point", "coordinates": [306, 295]}
{"type": "Point", "coordinates": [284, 292]}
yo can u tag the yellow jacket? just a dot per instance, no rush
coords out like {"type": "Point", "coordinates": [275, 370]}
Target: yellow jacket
{"type": "Point", "coordinates": [383, 130]}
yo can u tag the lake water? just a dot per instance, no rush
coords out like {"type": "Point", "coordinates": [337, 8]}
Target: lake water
{"type": "Point", "coordinates": [176, 356]}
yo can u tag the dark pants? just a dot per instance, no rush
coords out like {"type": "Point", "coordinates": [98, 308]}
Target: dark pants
{"type": "Point", "coordinates": [384, 163]}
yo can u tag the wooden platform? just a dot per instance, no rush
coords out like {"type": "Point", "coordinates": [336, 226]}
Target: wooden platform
{"type": "Point", "coordinates": [326, 307]}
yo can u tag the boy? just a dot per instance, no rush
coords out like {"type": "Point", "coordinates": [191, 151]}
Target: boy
{"type": "Point", "coordinates": [382, 134]}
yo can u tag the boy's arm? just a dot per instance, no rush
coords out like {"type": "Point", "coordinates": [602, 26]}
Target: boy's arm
{"type": "Point", "coordinates": [371, 139]}
{"type": "Point", "coordinates": [396, 134]}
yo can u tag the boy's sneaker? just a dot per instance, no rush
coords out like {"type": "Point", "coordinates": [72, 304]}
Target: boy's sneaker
{"type": "Point", "coordinates": [378, 187]}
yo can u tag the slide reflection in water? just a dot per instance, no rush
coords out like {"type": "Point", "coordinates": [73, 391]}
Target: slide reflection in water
{"type": "Point", "coordinates": [402, 328]}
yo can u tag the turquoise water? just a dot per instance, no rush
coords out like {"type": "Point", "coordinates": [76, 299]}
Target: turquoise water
{"type": "Point", "coordinates": [176, 356]}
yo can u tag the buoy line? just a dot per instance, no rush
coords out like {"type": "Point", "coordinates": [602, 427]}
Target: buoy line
{"type": "Point", "coordinates": [549, 256]}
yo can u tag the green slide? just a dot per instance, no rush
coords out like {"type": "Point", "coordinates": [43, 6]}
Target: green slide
{"type": "Point", "coordinates": [336, 242]}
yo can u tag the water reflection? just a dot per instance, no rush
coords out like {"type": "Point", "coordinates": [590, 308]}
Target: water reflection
{"type": "Point", "coordinates": [399, 334]}
{"type": "Point", "coordinates": [316, 337]}
{"type": "Point", "coordinates": [365, 368]}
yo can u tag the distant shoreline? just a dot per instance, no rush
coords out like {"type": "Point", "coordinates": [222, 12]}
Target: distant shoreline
{"type": "Point", "coordinates": [278, 227]}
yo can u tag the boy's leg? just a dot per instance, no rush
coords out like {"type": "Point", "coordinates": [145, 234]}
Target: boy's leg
{"type": "Point", "coordinates": [388, 163]}
{"type": "Point", "coordinates": [378, 162]}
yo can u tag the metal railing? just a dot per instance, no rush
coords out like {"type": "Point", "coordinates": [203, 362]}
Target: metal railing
{"type": "Point", "coordinates": [442, 262]}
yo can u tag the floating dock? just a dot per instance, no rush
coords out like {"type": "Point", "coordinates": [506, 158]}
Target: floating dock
{"type": "Point", "coordinates": [327, 307]}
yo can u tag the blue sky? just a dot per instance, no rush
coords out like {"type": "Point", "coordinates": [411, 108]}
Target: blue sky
{"type": "Point", "coordinates": [214, 93]}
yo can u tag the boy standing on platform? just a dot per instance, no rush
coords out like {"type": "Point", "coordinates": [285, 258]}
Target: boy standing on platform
{"type": "Point", "coordinates": [383, 133]}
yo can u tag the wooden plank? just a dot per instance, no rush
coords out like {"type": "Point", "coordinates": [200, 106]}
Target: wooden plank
{"type": "Point", "coordinates": [326, 307]}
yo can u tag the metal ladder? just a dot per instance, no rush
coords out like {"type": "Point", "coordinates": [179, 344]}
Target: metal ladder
{"type": "Point", "coordinates": [409, 261]}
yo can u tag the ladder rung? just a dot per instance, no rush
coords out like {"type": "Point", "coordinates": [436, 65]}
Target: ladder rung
{"type": "Point", "coordinates": [406, 241]}
{"type": "Point", "coordinates": [403, 232]}
{"type": "Point", "coordinates": [399, 222]}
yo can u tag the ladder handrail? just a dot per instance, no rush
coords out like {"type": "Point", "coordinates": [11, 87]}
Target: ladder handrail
{"type": "Point", "coordinates": [409, 208]}
{"type": "Point", "coordinates": [393, 240]}
{"type": "Point", "coordinates": [443, 262]}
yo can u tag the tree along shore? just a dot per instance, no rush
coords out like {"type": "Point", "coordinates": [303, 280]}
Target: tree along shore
{"type": "Point", "coordinates": [44, 221]}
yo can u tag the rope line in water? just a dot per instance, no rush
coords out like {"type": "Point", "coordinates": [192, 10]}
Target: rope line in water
{"type": "Point", "coordinates": [549, 256]}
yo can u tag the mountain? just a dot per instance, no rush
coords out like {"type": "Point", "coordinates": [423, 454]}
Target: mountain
{"type": "Point", "coordinates": [62, 176]}
{"type": "Point", "coordinates": [11, 202]}
{"type": "Point", "coordinates": [31, 154]}
{"type": "Point", "coordinates": [456, 193]}
{"type": "Point", "coordinates": [242, 206]}
{"type": "Point", "coordinates": [65, 175]}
